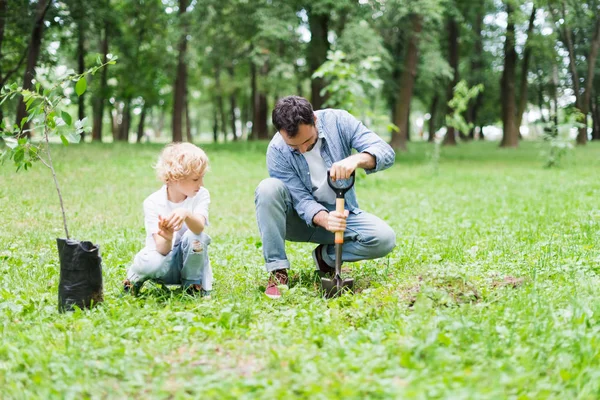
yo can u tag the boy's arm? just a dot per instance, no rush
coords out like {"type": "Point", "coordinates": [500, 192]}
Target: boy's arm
{"type": "Point", "coordinates": [164, 237]}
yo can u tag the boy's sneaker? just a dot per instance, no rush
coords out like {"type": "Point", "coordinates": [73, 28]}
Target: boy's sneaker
{"type": "Point", "coordinates": [321, 266]}
{"type": "Point", "coordinates": [133, 288]}
{"type": "Point", "coordinates": [278, 279]}
{"type": "Point", "coordinates": [196, 290]}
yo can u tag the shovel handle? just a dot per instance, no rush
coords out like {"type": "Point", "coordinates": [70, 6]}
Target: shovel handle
{"type": "Point", "coordinates": [339, 207]}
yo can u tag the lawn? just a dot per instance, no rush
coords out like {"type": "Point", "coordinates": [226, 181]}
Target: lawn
{"type": "Point", "coordinates": [491, 292]}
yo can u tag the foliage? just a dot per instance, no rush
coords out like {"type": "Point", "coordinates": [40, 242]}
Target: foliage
{"type": "Point", "coordinates": [44, 107]}
{"type": "Point", "coordinates": [459, 103]}
{"type": "Point", "coordinates": [559, 139]}
{"type": "Point", "coordinates": [349, 85]}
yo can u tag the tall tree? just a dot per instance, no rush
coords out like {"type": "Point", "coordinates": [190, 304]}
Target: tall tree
{"type": "Point", "coordinates": [527, 53]}
{"type": "Point", "coordinates": [179, 88]}
{"type": "Point", "coordinates": [35, 45]}
{"type": "Point", "coordinates": [572, 22]}
{"type": "Point", "coordinates": [510, 137]}
{"type": "Point", "coordinates": [453, 54]}
{"type": "Point", "coordinates": [99, 98]}
{"type": "Point", "coordinates": [407, 82]}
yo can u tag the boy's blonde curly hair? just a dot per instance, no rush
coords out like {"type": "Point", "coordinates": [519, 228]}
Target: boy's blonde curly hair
{"type": "Point", "coordinates": [180, 160]}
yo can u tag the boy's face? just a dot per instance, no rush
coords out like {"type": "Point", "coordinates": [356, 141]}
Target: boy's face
{"type": "Point", "coordinates": [189, 186]}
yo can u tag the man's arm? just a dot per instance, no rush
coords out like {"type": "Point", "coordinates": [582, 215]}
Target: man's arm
{"type": "Point", "coordinates": [302, 199]}
{"type": "Point", "coordinates": [368, 143]}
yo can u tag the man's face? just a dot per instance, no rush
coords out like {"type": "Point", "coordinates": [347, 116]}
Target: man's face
{"type": "Point", "coordinates": [305, 139]}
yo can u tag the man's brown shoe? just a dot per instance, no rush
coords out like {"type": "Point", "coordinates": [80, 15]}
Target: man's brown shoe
{"type": "Point", "coordinates": [320, 265]}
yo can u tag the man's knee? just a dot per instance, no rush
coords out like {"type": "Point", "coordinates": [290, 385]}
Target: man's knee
{"type": "Point", "coordinates": [387, 240]}
{"type": "Point", "coordinates": [382, 242]}
{"type": "Point", "coordinates": [270, 188]}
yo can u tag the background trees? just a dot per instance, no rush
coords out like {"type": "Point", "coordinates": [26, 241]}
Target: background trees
{"type": "Point", "coordinates": [212, 70]}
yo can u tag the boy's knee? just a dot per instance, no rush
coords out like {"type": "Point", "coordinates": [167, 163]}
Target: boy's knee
{"type": "Point", "coordinates": [147, 263]}
{"type": "Point", "coordinates": [270, 188]}
{"type": "Point", "coordinates": [197, 242]}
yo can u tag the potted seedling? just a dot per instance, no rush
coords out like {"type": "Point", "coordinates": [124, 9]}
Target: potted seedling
{"type": "Point", "coordinates": [80, 262]}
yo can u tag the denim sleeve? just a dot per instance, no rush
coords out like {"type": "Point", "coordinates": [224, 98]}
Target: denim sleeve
{"type": "Point", "coordinates": [304, 202]}
{"type": "Point", "coordinates": [366, 141]}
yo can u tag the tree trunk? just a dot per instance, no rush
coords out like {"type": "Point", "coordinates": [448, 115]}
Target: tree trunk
{"type": "Point", "coordinates": [215, 124]}
{"type": "Point", "coordinates": [317, 53]}
{"type": "Point", "coordinates": [407, 82]}
{"type": "Point", "coordinates": [232, 105]}
{"type": "Point", "coordinates": [181, 79]}
{"type": "Point", "coordinates": [81, 70]}
{"type": "Point", "coordinates": [476, 71]}
{"type": "Point", "coordinates": [140, 131]}
{"type": "Point", "coordinates": [35, 45]}
{"type": "Point", "coordinates": [432, 113]}
{"type": "Point", "coordinates": [99, 97]}
{"type": "Point", "coordinates": [525, 71]}
{"type": "Point", "coordinates": [582, 137]}
{"type": "Point", "coordinates": [510, 136]}
{"type": "Point", "coordinates": [595, 111]}
{"type": "Point", "coordinates": [2, 25]}
{"type": "Point", "coordinates": [125, 122]}
{"type": "Point", "coordinates": [254, 100]}
{"type": "Point", "coordinates": [453, 52]}
{"type": "Point", "coordinates": [114, 125]}
{"type": "Point", "coordinates": [188, 123]}
{"type": "Point", "coordinates": [260, 111]}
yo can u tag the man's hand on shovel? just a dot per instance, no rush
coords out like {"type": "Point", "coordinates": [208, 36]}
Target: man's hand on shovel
{"type": "Point", "coordinates": [336, 221]}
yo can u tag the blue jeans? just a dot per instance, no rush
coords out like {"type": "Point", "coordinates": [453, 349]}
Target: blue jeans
{"type": "Point", "coordinates": [366, 236]}
{"type": "Point", "coordinates": [187, 264]}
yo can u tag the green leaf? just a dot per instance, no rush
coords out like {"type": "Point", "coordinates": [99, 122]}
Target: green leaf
{"type": "Point", "coordinates": [23, 121]}
{"type": "Point", "coordinates": [64, 140]}
{"type": "Point", "coordinates": [73, 138]}
{"type": "Point", "coordinates": [11, 142]}
{"type": "Point", "coordinates": [66, 117]}
{"type": "Point", "coordinates": [81, 86]}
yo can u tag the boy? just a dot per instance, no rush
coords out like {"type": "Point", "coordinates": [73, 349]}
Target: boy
{"type": "Point", "coordinates": [176, 250]}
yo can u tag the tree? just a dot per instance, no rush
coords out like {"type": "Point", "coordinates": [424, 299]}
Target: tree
{"type": "Point", "coordinates": [510, 137]}
{"type": "Point", "coordinates": [579, 31]}
{"type": "Point", "coordinates": [180, 85]}
{"type": "Point", "coordinates": [35, 45]}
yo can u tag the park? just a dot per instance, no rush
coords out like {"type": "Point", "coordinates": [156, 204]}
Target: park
{"type": "Point", "coordinates": [491, 109]}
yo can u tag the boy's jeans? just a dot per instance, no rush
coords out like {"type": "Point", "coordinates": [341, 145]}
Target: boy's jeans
{"type": "Point", "coordinates": [366, 236]}
{"type": "Point", "coordinates": [187, 264]}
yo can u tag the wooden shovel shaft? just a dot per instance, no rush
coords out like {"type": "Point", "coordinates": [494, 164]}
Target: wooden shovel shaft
{"type": "Point", "coordinates": [339, 207]}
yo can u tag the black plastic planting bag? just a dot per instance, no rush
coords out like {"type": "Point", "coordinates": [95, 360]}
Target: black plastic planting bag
{"type": "Point", "coordinates": [80, 275]}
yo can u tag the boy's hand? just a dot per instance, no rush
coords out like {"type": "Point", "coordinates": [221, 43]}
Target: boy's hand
{"type": "Point", "coordinates": [164, 230]}
{"type": "Point", "coordinates": [176, 219]}
{"type": "Point", "coordinates": [336, 222]}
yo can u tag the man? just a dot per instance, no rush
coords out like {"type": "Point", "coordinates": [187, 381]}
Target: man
{"type": "Point", "coordinates": [297, 204]}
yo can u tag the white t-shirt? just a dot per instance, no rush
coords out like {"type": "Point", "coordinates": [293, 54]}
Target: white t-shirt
{"type": "Point", "coordinates": [158, 204]}
{"type": "Point", "coordinates": [318, 175]}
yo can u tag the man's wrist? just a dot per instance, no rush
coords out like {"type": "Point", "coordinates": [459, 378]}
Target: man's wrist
{"type": "Point", "coordinates": [320, 218]}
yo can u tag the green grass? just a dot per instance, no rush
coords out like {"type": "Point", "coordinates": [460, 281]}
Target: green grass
{"type": "Point", "coordinates": [435, 319]}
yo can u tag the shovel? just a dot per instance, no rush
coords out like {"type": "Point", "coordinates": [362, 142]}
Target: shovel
{"type": "Point", "coordinates": [334, 287]}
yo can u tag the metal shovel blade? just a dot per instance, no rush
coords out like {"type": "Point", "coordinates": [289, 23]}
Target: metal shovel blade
{"type": "Point", "coordinates": [336, 286]}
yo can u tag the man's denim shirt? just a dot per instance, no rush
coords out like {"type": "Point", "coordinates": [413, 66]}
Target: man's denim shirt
{"type": "Point", "coordinates": [340, 133]}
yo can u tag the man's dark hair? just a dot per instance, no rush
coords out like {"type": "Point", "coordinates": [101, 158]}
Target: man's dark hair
{"type": "Point", "coordinates": [290, 112]}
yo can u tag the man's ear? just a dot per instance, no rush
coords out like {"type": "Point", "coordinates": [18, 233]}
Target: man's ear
{"type": "Point", "coordinates": [315, 118]}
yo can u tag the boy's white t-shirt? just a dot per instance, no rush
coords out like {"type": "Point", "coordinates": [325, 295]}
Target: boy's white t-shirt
{"type": "Point", "coordinates": [158, 204]}
{"type": "Point", "coordinates": [318, 175]}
